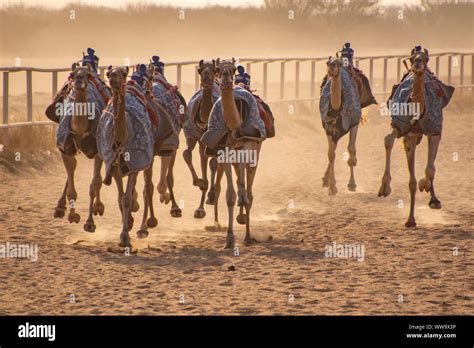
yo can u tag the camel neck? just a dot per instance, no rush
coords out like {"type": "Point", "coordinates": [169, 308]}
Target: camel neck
{"type": "Point", "coordinates": [336, 92]}
{"type": "Point", "coordinates": [79, 121]}
{"type": "Point", "coordinates": [418, 92]}
{"type": "Point", "coordinates": [206, 105]}
{"type": "Point", "coordinates": [120, 122]}
{"type": "Point", "coordinates": [229, 109]}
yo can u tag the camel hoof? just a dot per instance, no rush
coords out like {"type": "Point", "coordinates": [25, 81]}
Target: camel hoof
{"type": "Point", "coordinates": [384, 190]}
{"type": "Point", "coordinates": [325, 182]}
{"type": "Point", "coordinates": [352, 187]}
{"type": "Point", "coordinates": [250, 241]}
{"type": "Point", "coordinates": [332, 190]}
{"type": "Point", "coordinates": [211, 197]}
{"type": "Point", "coordinates": [424, 185]}
{"type": "Point", "coordinates": [125, 240]}
{"type": "Point", "coordinates": [199, 213]}
{"type": "Point", "coordinates": [242, 219]}
{"type": "Point", "coordinates": [165, 198]}
{"type": "Point", "coordinates": [89, 226]}
{"type": "Point", "coordinates": [98, 208]}
{"type": "Point", "coordinates": [74, 218]}
{"type": "Point", "coordinates": [152, 222]}
{"type": "Point", "coordinates": [175, 212]}
{"type": "Point", "coordinates": [410, 224]}
{"type": "Point", "coordinates": [59, 212]}
{"type": "Point", "coordinates": [136, 207]}
{"type": "Point", "coordinates": [201, 183]}
{"type": "Point", "coordinates": [435, 203]}
{"type": "Point", "coordinates": [230, 241]}
{"type": "Point", "coordinates": [142, 234]}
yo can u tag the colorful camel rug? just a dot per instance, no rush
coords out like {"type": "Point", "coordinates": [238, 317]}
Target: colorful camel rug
{"type": "Point", "coordinates": [94, 98]}
{"type": "Point", "coordinates": [138, 148]}
{"type": "Point", "coordinates": [190, 128]}
{"type": "Point", "coordinates": [437, 96]}
{"type": "Point", "coordinates": [167, 96]}
{"type": "Point", "coordinates": [252, 123]}
{"type": "Point", "coordinates": [336, 123]}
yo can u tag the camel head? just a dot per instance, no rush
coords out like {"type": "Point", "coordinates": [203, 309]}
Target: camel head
{"type": "Point", "coordinates": [80, 76]}
{"type": "Point", "coordinates": [226, 71]}
{"type": "Point", "coordinates": [117, 77]}
{"type": "Point", "coordinates": [419, 60]}
{"type": "Point", "coordinates": [151, 69]}
{"type": "Point", "coordinates": [207, 72]}
{"type": "Point", "coordinates": [334, 66]}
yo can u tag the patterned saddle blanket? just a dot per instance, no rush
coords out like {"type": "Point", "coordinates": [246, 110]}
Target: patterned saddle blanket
{"type": "Point", "coordinates": [169, 98]}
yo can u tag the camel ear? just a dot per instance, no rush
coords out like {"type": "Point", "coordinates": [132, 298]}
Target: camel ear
{"type": "Point", "coordinates": [233, 60]}
{"type": "Point", "coordinates": [201, 62]}
{"type": "Point", "coordinates": [218, 61]}
{"type": "Point", "coordinates": [214, 62]}
{"type": "Point", "coordinates": [73, 66]}
{"type": "Point", "coordinates": [109, 69]}
{"type": "Point", "coordinates": [337, 54]}
{"type": "Point", "coordinates": [127, 69]}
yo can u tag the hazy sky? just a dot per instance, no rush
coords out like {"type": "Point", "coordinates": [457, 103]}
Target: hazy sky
{"type": "Point", "coordinates": [176, 3]}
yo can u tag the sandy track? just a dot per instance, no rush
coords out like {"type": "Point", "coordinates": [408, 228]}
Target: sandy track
{"type": "Point", "coordinates": [181, 258]}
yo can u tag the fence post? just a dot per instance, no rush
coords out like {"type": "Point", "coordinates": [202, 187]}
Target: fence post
{"type": "Point", "coordinates": [282, 80]}
{"type": "Point", "coordinates": [357, 63]}
{"type": "Point", "coordinates": [384, 76]}
{"type": "Point", "coordinates": [313, 81]}
{"type": "Point", "coordinates": [461, 74]}
{"type": "Point", "coordinates": [297, 80]}
{"type": "Point", "coordinates": [5, 97]}
{"type": "Point", "coordinates": [371, 71]}
{"type": "Point", "coordinates": [178, 75]}
{"type": "Point", "coordinates": [248, 68]}
{"type": "Point", "coordinates": [450, 63]}
{"type": "Point", "coordinates": [29, 95]}
{"type": "Point", "coordinates": [265, 79]}
{"type": "Point", "coordinates": [472, 73]}
{"type": "Point", "coordinates": [54, 89]}
{"type": "Point", "coordinates": [196, 78]}
{"type": "Point", "coordinates": [437, 66]}
{"type": "Point", "coordinates": [399, 68]}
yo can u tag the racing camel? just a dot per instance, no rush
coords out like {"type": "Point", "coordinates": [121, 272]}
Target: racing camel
{"type": "Point", "coordinates": [125, 139]}
{"type": "Point", "coordinates": [80, 104]}
{"type": "Point", "coordinates": [423, 98]}
{"type": "Point", "coordinates": [199, 110]}
{"type": "Point", "coordinates": [234, 125]}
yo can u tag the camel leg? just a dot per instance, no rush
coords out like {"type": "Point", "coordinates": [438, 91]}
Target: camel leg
{"type": "Point", "coordinates": [60, 208]}
{"type": "Point", "coordinates": [332, 190]}
{"type": "Point", "coordinates": [426, 184]}
{"type": "Point", "coordinates": [127, 206]}
{"type": "Point", "coordinates": [326, 176]}
{"type": "Point", "coordinates": [119, 182]}
{"type": "Point", "coordinates": [162, 187]}
{"type": "Point", "coordinates": [217, 188]}
{"type": "Point", "coordinates": [148, 201]}
{"type": "Point", "coordinates": [199, 213]}
{"type": "Point", "coordinates": [135, 204]}
{"type": "Point", "coordinates": [94, 188]}
{"type": "Point", "coordinates": [230, 198]}
{"type": "Point", "coordinates": [98, 206]}
{"type": "Point", "coordinates": [70, 163]}
{"type": "Point", "coordinates": [188, 158]}
{"type": "Point", "coordinates": [148, 189]}
{"type": "Point", "coordinates": [410, 146]}
{"type": "Point", "coordinates": [175, 210]}
{"type": "Point", "coordinates": [385, 188]}
{"type": "Point", "coordinates": [211, 194]}
{"type": "Point", "coordinates": [352, 161]}
{"type": "Point", "coordinates": [251, 171]}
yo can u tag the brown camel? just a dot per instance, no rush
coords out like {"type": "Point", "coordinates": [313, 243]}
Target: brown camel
{"type": "Point", "coordinates": [80, 138]}
{"type": "Point", "coordinates": [412, 138]}
{"type": "Point", "coordinates": [120, 94]}
{"type": "Point", "coordinates": [235, 140]}
{"type": "Point", "coordinates": [193, 132]}
{"type": "Point", "coordinates": [334, 129]}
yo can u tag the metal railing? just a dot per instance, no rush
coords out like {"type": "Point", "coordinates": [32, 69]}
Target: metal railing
{"type": "Point", "coordinates": [264, 81]}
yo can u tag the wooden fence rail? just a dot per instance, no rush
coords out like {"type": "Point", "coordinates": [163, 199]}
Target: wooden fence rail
{"type": "Point", "coordinates": [453, 59]}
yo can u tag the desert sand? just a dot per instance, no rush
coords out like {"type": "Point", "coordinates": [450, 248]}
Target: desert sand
{"type": "Point", "coordinates": [182, 268]}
